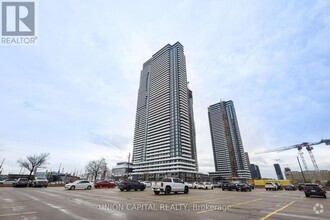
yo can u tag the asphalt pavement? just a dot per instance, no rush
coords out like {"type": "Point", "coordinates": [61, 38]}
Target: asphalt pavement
{"type": "Point", "coordinates": [58, 203]}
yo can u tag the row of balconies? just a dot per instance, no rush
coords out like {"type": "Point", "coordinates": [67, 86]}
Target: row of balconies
{"type": "Point", "coordinates": [156, 132]}
{"type": "Point", "coordinates": [159, 87]}
{"type": "Point", "coordinates": [163, 147]}
{"type": "Point", "coordinates": [157, 124]}
{"type": "Point", "coordinates": [167, 155]}
{"type": "Point", "coordinates": [155, 165]}
{"type": "Point", "coordinates": [158, 116]}
{"type": "Point", "coordinates": [159, 138]}
{"type": "Point", "coordinates": [169, 159]}
{"type": "Point", "coordinates": [158, 144]}
{"type": "Point", "coordinates": [159, 69]}
{"type": "Point", "coordinates": [165, 162]}
{"type": "Point", "coordinates": [158, 153]}
{"type": "Point", "coordinates": [186, 168]}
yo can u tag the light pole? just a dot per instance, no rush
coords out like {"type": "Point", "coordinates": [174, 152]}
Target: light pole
{"type": "Point", "coordinates": [129, 158]}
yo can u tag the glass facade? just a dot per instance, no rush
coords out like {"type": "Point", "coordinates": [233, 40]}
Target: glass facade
{"type": "Point", "coordinates": [228, 152]}
{"type": "Point", "coordinates": [163, 141]}
{"type": "Point", "coordinates": [122, 169]}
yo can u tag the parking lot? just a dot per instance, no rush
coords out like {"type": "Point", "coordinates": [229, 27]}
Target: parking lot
{"type": "Point", "coordinates": [58, 203]}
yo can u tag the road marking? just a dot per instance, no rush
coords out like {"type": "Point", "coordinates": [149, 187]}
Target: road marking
{"type": "Point", "coordinates": [210, 200]}
{"type": "Point", "coordinates": [199, 201]}
{"type": "Point", "coordinates": [242, 203]}
{"type": "Point", "coordinates": [10, 207]}
{"type": "Point", "coordinates": [162, 198]}
{"type": "Point", "coordinates": [237, 204]}
{"type": "Point", "coordinates": [272, 213]}
{"type": "Point", "coordinates": [65, 211]}
{"type": "Point", "coordinates": [16, 214]}
{"type": "Point", "coordinates": [280, 194]}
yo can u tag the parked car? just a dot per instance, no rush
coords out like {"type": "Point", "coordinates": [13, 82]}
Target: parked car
{"type": "Point", "coordinates": [131, 184]}
{"type": "Point", "coordinates": [228, 186]}
{"type": "Point", "coordinates": [290, 187]}
{"type": "Point", "coordinates": [169, 185]}
{"type": "Point", "coordinates": [233, 186]}
{"type": "Point", "coordinates": [243, 187]}
{"type": "Point", "coordinates": [195, 185]}
{"type": "Point", "coordinates": [190, 185]}
{"type": "Point", "coordinates": [7, 182]}
{"type": "Point", "coordinates": [205, 185]}
{"type": "Point", "coordinates": [216, 185]}
{"type": "Point", "coordinates": [201, 186]}
{"type": "Point", "coordinates": [79, 184]}
{"type": "Point", "coordinates": [251, 185]}
{"type": "Point", "coordinates": [271, 186]}
{"type": "Point", "coordinates": [312, 189]}
{"type": "Point", "coordinates": [23, 182]}
{"type": "Point", "coordinates": [147, 184]}
{"type": "Point", "coordinates": [40, 181]}
{"type": "Point", "coordinates": [104, 183]}
{"type": "Point", "coordinates": [279, 186]}
{"type": "Point", "coordinates": [225, 186]}
{"type": "Point", "coordinates": [301, 186]}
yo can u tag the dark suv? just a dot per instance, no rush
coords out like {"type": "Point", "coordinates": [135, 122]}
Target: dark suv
{"type": "Point", "coordinates": [228, 186]}
{"type": "Point", "coordinates": [251, 185]}
{"type": "Point", "coordinates": [314, 190]}
{"type": "Point", "coordinates": [301, 186]}
{"type": "Point", "coordinates": [243, 187]}
{"type": "Point", "coordinates": [131, 184]}
{"type": "Point", "coordinates": [290, 187]}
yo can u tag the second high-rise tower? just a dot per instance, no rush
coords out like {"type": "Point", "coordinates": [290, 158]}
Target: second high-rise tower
{"type": "Point", "coordinates": [229, 157]}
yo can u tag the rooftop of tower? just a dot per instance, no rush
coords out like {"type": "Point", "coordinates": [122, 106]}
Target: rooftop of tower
{"type": "Point", "coordinates": [159, 52]}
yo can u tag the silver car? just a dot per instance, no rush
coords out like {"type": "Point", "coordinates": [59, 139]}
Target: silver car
{"type": "Point", "coordinates": [79, 184]}
{"type": "Point", "coordinates": [7, 182]}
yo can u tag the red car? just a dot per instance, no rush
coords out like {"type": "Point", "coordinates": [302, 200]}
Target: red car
{"type": "Point", "coordinates": [104, 183]}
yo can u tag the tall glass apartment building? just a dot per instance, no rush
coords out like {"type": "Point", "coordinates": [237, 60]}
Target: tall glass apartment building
{"type": "Point", "coordinates": [164, 142]}
{"type": "Point", "coordinates": [278, 171]}
{"type": "Point", "coordinates": [255, 172]}
{"type": "Point", "coordinates": [228, 152]}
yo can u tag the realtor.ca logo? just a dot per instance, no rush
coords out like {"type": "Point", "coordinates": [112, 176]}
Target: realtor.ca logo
{"type": "Point", "coordinates": [18, 23]}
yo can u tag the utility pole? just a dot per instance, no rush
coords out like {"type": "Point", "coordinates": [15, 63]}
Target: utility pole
{"type": "Point", "coordinates": [129, 158]}
{"type": "Point", "coordinates": [301, 170]}
{"type": "Point", "coordinates": [59, 169]}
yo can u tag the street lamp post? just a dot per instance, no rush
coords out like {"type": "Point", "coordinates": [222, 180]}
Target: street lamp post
{"type": "Point", "coordinates": [129, 158]}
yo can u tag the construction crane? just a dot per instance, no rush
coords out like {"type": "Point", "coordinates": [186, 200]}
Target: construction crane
{"type": "Point", "coordinates": [1, 168]}
{"type": "Point", "coordinates": [299, 147]}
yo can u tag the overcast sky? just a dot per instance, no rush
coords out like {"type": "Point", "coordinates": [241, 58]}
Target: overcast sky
{"type": "Point", "coordinates": [74, 94]}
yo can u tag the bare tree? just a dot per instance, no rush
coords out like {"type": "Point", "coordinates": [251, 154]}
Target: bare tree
{"type": "Point", "coordinates": [33, 162]}
{"type": "Point", "coordinates": [96, 168]}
